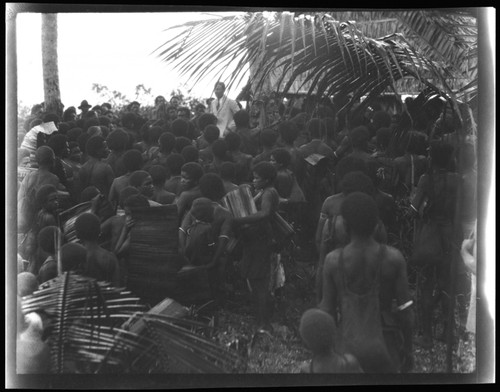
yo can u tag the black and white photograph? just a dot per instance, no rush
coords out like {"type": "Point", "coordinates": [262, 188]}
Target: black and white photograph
{"type": "Point", "coordinates": [220, 197]}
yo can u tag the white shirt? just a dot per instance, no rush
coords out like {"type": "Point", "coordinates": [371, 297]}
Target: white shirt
{"type": "Point", "coordinates": [224, 109]}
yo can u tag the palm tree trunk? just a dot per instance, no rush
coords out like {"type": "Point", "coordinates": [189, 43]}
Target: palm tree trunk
{"type": "Point", "coordinates": [52, 95]}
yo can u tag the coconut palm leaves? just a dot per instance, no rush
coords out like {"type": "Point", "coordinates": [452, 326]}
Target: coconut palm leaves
{"type": "Point", "coordinates": [96, 328]}
{"type": "Point", "coordinates": [327, 53]}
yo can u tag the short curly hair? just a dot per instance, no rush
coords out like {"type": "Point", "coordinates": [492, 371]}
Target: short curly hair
{"type": "Point", "coordinates": [47, 238]}
{"type": "Point", "coordinates": [88, 227]}
{"type": "Point", "coordinates": [265, 170]}
{"type": "Point", "coordinates": [211, 186]}
{"type": "Point", "coordinates": [360, 213]}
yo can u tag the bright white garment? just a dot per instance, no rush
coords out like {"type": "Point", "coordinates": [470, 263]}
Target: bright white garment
{"type": "Point", "coordinates": [224, 109]}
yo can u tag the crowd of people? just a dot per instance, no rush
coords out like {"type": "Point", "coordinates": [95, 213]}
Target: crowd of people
{"type": "Point", "coordinates": [339, 177]}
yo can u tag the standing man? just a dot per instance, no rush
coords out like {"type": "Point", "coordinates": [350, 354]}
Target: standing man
{"type": "Point", "coordinates": [360, 283]}
{"type": "Point", "coordinates": [224, 109]}
{"type": "Point", "coordinates": [84, 107]}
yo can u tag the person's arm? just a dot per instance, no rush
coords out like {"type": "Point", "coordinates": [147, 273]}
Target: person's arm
{"type": "Point", "coordinates": [420, 194]}
{"type": "Point", "coordinates": [222, 241]}
{"type": "Point", "coordinates": [329, 298]}
{"type": "Point", "coordinates": [404, 311]}
{"type": "Point", "coordinates": [323, 217]}
{"type": "Point", "coordinates": [186, 222]}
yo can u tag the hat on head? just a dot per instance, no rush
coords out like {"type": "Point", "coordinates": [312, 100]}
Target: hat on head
{"type": "Point", "coordinates": [84, 104]}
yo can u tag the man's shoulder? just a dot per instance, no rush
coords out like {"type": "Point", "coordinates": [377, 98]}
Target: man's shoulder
{"type": "Point", "coordinates": [393, 255]}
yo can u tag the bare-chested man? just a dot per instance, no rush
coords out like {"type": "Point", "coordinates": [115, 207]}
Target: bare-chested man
{"type": "Point", "coordinates": [360, 283]}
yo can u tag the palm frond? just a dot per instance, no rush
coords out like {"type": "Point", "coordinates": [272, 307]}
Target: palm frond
{"type": "Point", "coordinates": [96, 328]}
{"type": "Point", "coordinates": [301, 52]}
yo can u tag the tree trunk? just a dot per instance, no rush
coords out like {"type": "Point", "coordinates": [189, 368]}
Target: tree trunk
{"type": "Point", "coordinates": [52, 95]}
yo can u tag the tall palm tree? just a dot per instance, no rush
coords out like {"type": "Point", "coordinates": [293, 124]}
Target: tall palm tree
{"type": "Point", "coordinates": [356, 53]}
{"type": "Point", "coordinates": [52, 94]}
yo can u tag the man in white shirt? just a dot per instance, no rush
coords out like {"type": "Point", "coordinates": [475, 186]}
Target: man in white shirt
{"type": "Point", "coordinates": [223, 108]}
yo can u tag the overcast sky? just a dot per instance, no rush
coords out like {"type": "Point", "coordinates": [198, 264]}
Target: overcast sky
{"type": "Point", "coordinates": [112, 49]}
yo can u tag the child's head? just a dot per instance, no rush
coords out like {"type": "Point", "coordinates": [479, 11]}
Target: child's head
{"type": "Point", "coordinates": [46, 198]}
{"type": "Point", "coordinates": [181, 142]}
{"type": "Point", "coordinates": [174, 164]}
{"type": "Point", "coordinates": [228, 171]}
{"type": "Point", "coordinates": [158, 174]}
{"type": "Point", "coordinates": [288, 131]}
{"type": "Point", "coordinates": [219, 149]}
{"type": "Point", "coordinates": [211, 133]}
{"type": "Point", "coordinates": [360, 214]}
{"type": "Point", "coordinates": [47, 238]}
{"type": "Point", "coordinates": [134, 201]}
{"type": "Point", "coordinates": [88, 227]}
{"type": "Point", "coordinates": [242, 119]}
{"type": "Point", "coordinates": [142, 180]}
{"type": "Point", "coordinates": [167, 142]}
{"type": "Point", "coordinates": [202, 209]}
{"type": "Point", "coordinates": [264, 174]}
{"type": "Point", "coordinates": [190, 154]}
{"type": "Point", "coordinates": [206, 119]}
{"type": "Point", "coordinates": [179, 127]}
{"type": "Point", "coordinates": [317, 330]}
{"type": "Point", "coordinates": [117, 140]}
{"type": "Point", "coordinates": [359, 137]}
{"type": "Point", "coordinates": [125, 194]}
{"type": "Point", "coordinates": [44, 156]}
{"type": "Point", "coordinates": [96, 147]}
{"type": "Point", "coordinates": [281, 158]}
{"type": "Point", "coordinates": [132, 160]}
{"type": "Point", "coordinates": [268, 138]}
{"type": "Point", "coordinates": [357, 181]}
{"type": "Point", "coordinates": [73, 257]}
{"type": "Point", "coordinates": [191, 173]}
{"type": "Point", "coordinates": [211, 186]}
{"type": "Point", "coordinates": [233, 141]}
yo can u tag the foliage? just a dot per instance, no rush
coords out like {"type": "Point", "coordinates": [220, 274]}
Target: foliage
{"type": "Point", "coordinates": [327, 53]}
{"type": "Point", "coordinates": [93, 327]}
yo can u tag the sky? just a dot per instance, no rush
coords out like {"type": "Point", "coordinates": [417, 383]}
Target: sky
{"type": "Point", "coordinates": [111, 49]}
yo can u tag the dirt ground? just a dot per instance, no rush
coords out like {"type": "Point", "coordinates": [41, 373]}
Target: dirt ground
{"type": "Point", "coordinates": [282, 351]}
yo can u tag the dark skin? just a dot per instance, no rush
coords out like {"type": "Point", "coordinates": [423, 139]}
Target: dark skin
{"type": "Point", "coordinates": [360, 258]}
{"type": "Point", "coordinates": [105, 260]}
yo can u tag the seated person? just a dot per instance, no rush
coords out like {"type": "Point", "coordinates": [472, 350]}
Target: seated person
{"type": "Point", "coordinates": [318, 331]}
{"type": "Point", "coordinates": [159, 176]}
{"type": "Point", "coordinates": [101, 264]}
